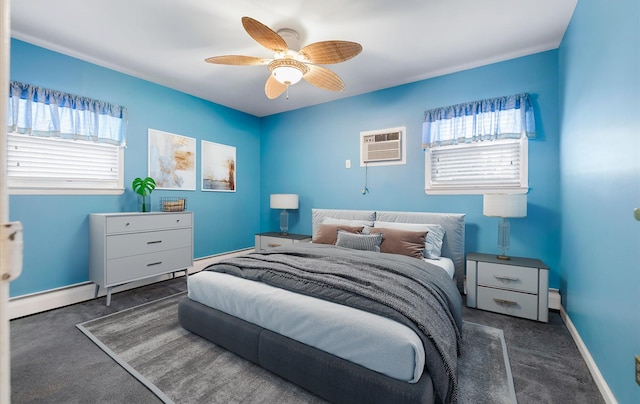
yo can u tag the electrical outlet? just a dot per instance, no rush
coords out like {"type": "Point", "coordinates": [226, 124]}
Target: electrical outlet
{"type": "Point", "coordinates": [638, 369]}
{"type": "Point", "coordinates": [347, 164]}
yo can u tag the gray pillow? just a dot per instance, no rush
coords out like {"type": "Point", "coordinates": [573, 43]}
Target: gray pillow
{"type": "Point", "coordinates": [367, 242]}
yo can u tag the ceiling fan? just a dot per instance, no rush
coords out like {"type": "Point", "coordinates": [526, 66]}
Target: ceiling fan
{"type": "Point", "coordinates": [289, 66]}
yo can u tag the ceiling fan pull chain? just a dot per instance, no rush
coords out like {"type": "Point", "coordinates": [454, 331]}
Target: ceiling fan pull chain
{"type": "Point", "coordinates": [287, 92]}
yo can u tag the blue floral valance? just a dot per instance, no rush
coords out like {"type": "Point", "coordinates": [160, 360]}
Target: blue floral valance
{"type": "Point", "coordinates": [508, 117]}
{"type": "Point", "coordinates": [43, 112]}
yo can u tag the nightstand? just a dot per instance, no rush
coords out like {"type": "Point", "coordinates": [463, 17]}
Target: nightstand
{"type": "Point", "coordinates": [517, 287]}
{"type": "Point", "coordinates": [275, 239]}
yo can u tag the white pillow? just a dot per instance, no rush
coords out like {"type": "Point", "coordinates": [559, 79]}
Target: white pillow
{"type": "Point", "coordinates": [433, 241]}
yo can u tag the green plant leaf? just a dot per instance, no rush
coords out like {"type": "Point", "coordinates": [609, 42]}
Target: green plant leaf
{"type": "Point", "coordinates": [143, 186]}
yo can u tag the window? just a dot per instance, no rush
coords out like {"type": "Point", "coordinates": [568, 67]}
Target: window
{"type": "Point", "coordinates": [478, 168]}
{"type": "Point", "coordinates": [60, 143]}
{"type": "Point", "coordinates": [478, 147]}
{"type": "Point", "coordinates": [53, 165]}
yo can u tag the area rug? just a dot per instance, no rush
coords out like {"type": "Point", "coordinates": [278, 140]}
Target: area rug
{"type": "Point", "coordinates": [180, 367]}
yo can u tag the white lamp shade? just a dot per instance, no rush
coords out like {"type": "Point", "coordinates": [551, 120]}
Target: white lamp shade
{"type": "Point", "coordinates": [284, 201]}
{"type": "Point", "coordinates": [505, 205]}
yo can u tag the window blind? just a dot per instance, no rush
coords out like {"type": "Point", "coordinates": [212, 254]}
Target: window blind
{"type": "Point", "coordinates": [481, 166]}
{"type": "Point", "coordinates": [53, 163]}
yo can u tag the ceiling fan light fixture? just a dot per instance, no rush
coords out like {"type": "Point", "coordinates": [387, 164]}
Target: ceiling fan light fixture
{"type": "Point", "coordinates": [287, 71]}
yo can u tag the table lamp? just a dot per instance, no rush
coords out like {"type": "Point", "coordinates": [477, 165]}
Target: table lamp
{"type": "Point", "coordinates": [504, 206]}
{"type": "Point", "coordinates": [284, 202]}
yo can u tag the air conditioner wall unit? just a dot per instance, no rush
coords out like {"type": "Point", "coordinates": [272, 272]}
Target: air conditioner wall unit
{"type": "Point", "coordinates": [385, 146]}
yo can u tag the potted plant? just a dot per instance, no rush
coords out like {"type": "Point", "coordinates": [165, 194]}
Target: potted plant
{"type": "Point", "coordinates": [144, 187]}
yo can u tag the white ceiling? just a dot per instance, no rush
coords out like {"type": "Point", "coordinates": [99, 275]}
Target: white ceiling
{"type": "Point", "coordinates": [166, 41]}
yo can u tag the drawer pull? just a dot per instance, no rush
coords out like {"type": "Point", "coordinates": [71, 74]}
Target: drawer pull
{"type": "Point", "coordinates": [506, 278]}
{"type": "Point", "coordinates": [274, 245]}
{"type": "Point", "coordinates": [505, 302]}
{"type": "Point", "coordinates": [154, 242]}
{"type": "Point", "coordinates": [154, 263]}
{"type": "Point", "coordinates": [127, 224]}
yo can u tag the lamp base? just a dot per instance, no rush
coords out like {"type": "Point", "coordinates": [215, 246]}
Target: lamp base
{"type": "Point", "coordinates": [284, 222]}
{"type": "Point", "coordinates": [503, 239]}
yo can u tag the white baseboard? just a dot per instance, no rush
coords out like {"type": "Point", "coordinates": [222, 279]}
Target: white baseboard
{"type": "Point", "coordinates": [607, 394]}
{"type": "Point", "coordinates": [52, 299]}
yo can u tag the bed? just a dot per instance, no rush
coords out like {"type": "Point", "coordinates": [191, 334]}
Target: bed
{"type": "Point", "coordinates": [316, 314]}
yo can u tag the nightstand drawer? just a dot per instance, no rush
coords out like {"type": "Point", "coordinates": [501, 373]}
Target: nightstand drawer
{"type": "Point", "coordinates": [271, 242]}
{"type": "Point", "coordinates": [508, 277]}
{"type": "Point", "coordinates": [264, 241]}
{"type": "Point", "coordinates": [508, 302]}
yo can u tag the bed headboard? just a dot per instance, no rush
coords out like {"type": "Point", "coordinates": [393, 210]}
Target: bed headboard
{"type": "Point", "coordinates": [453, 224]}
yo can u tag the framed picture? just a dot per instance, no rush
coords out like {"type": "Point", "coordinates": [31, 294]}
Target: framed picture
{"type": "Point", "coordinates": [218, 167]}
{"type": "Point", "coordinates": [172, 160]}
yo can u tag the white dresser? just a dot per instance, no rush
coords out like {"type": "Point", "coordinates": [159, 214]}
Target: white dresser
{"type": "Point", "coordinates": [275, 239]}
{"type": "Point", "coordinates": [126, 247]}
{"type": "Point", "coordinates": [518, 287]}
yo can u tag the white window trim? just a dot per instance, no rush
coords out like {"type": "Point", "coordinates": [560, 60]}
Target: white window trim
{"type": "Point", "coordinates": [25, 186]}
{"type": "Point", "coordinates": [522, 188]}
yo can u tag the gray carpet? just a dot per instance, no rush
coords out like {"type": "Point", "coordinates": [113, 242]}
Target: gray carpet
{"type": "Point", "coordinates": [181, 367]}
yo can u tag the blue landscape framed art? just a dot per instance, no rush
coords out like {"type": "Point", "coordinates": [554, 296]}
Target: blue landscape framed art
{"type": "Point", "coordinates": [218, 167]}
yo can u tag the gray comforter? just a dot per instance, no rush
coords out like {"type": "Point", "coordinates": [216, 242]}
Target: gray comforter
{"type": "Point", "coordinates": [408, 290]}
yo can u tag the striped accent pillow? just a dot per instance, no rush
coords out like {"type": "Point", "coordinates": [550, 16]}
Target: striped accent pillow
{"type": "Point", "coordinates": [367, 242]}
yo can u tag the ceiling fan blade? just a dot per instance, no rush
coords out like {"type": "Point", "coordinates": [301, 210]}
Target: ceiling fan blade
{"type": "Point", "coordinates": [238, 60]}
{"type": "Point", "coordinates": [264, 35]}
{"type": "Point", "coordinates": [324, 78]}
{"type": "Point", "coordinates": [328, 52]}
{"type": "Point", "coordinates": [273, 88]}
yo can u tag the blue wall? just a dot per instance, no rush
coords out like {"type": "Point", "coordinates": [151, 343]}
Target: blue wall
{"type": "Point", "coordinates": [304, 152]}
{"type": "Point", "coordinates": [600, 155]}
{"type": "Point", "coordinates": [56, 227]}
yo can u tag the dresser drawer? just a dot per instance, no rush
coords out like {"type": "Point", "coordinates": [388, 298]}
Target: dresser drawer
{"type": "Point", "coordinates": [146, 222]}
{"type": "Point", "coordinates": [510, 277]}
{"type": "Point", "coordinates": [127, 269]}
{"type": "Point", "coordinates": [271, 242]}
{"type": "Point", "coordinates": [508, 302]}
{"type": "Point", "coordinates": [125, 245]}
